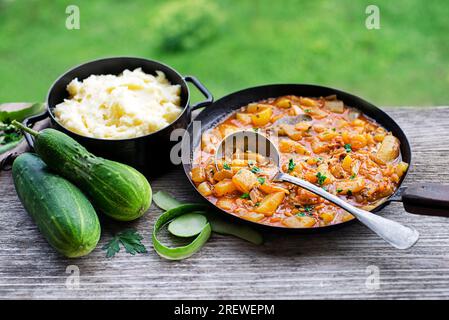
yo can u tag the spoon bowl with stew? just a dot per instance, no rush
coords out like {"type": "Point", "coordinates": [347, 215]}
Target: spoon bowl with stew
{"type": "Point", "coordinates": [396, 234]}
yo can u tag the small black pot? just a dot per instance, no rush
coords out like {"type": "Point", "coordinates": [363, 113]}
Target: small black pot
{"type": "Point", "coordinates": [149, 154]}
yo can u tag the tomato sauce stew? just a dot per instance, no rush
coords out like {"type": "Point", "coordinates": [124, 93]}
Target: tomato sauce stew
{"type": "Point", "coordinates": [320, 140]}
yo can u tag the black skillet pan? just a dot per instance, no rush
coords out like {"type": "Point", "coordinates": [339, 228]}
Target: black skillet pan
{"type": "Point", "coordinates": [424, 199]}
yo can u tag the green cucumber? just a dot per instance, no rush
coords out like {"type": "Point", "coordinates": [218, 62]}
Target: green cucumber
{"type": "Point", "coordinates": [61, 211]}
{"type": "Point", "coordinates": [118, 190]}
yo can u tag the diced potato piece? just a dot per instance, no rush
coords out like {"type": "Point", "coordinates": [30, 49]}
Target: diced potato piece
{"type": "Point", "coordinates": [239, 163]}
{"type": "Point", "coordinates": [244, 180]}
{"type": "Point", "coordinates": [336, 106]}
{"type": "Point", "coordinates": [347, 162]}
{"type": "Point", "coordinates": [389, 149]}
{"type": "Point", "coordinates": [295, 110]}
{"type": "Point", "coordinates": [270, 203]}
{"type": "Point", "coordinates": [261, 118]}
{"type": "Point", "coordinates": [226, 204]}
{"type": "Point", "coordinates": [319, 147]}
{"type": "Point", "coordinates": [204, 189]}
{"type": "Point", "coordinates": [243, 117]}
{"type": "Point", "coordinates": [269, 187]}
{"type": "Point", "coordinates": [324, 170]}
{"type": "Point", "coordinates": [299, 222]}
{"type": "Point", "coordinates": [327, 135]}
{"type": "Point", "coordinates": [358, 141]}
{"type": "Point", "coordinates": [358, 123]}
{"type": "Point", "coordinates": [340, 123]}
{"type": "Point", "coordinates": [223, 174]}
{"type": "Point", "coordinates": [308, 102]}
{"type": "Point", "coordinates": [198, 174]}
{"type": "Point", "coordinates": [283, 103]}
{"type": "Point", "coordinates": [224, 187]}
{"type": "Point", "coordinates": [257, 107]}
{"type": "Point", "coordinates": [303, 126]}
{"type": "Point", "coordinates": [210, 139]}
{"type": "Point", "coordinates": [346, 217]}
{"type": "Point", "coordinates": [253, 216]}
{"type": "Point", "coordinates": [227, 129]}
{"type": "Point", "coordinates": [319, 127]}
{"type": "Point", "coordinates": [316, 113]}
{"type": "Point", "coordinates": [289, 146]}
{"type": "Point", "coordinates": [312, 161]}
{"type": "Point", "coordinates": [291, 132]}
{"type": "Point", "coordinates": [379, 137]}
{"type": "Point", "coordinates": [327, 216]}
{"type": "Point", "coordinates": [401, 168]}
{"type": "Point", "coordinates": [350, 186]}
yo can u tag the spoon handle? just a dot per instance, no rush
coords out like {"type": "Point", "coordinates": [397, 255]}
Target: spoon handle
{"type": "Point", "coordinates": [394, 233]}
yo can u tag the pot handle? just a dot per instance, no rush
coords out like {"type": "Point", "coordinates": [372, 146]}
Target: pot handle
{"type": "Point", "coordinates": [430, 199]}
{"type": "Point", "coordinates": [203, 90]}
{"type": "Point", "coordinates": [29, 122]}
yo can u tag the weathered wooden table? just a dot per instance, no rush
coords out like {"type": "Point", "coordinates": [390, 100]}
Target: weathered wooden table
{"type": "Point", "coordinates": [347, 263]}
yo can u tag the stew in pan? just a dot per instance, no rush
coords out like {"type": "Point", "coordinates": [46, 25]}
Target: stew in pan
{"type": "Point", "coordinates": [320, 140]}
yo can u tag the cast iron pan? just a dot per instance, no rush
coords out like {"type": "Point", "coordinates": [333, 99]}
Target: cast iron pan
{"type": "Point", "coordinates": [425, 199]}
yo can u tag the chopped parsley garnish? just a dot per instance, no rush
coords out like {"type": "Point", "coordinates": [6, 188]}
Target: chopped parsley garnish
{"type": "Point", "coordinates": [321, 178]}
{"type": "Point", "coordinates": [339, 190]}
{"type": "Point", "coordinates": [256, 129]}
{"type": "Point", "coordinates": [352, 176]}
{"type": "Point", "coordinates": [257, 204]}
{"type": "Point", "coordinates": [226, 166]}
{"type": "Point", "coordinates": [349, 193]}
{"type": "Point", "coordinates": [308, 208]}
{"type": "Point", "coordinates": [301, 214]}
{"type": "Point", "coordinates": [255, 169]}
{"type": "Point", "coordinates": [307, 110]}
{"type": "Point", "coordinates": [348, 147]}
{"type": "Point", "coordinates": [261, 180]}
{"type": "Point", "coordinates": [291, 165]}
{"type": "Point", "coordinates": [333, 129]}
{"type": "Point", "coordinates": [245, 196]}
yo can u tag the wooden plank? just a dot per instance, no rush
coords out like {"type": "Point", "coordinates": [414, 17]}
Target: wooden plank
{"type": "Point", "coordinates": [288, 266]}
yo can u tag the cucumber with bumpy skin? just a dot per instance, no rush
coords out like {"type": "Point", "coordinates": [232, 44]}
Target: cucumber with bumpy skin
{"type": "Point", "coordinates": [116, 189]}
{"type": "Point", "coordinates": [61, 211]}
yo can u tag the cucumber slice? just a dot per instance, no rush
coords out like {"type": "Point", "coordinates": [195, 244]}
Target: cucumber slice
{"type": "Point", "coordinates": [178, 253]}
{"type": "Point", "coordinates": [165, 201]}
{"type": "Point", "coordinates": [19, 111]}
{"type": "Point", "coordinates": [187, 225]}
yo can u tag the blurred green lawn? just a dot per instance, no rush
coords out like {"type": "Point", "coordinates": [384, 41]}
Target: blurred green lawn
{"type": "Point", "coordinates": [406, 62]}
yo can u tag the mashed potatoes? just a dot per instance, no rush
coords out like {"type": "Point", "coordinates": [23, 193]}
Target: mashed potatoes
{"type": "Point", "coordinates": [129, 105]}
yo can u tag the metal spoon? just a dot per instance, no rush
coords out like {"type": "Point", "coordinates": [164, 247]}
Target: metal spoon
{"type": "Point", "coordinates": [394, 233]}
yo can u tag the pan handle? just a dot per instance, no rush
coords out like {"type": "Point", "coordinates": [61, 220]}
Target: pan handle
{"type": "Point", "coordinates": [29, 122]}
{"type": "Point", "coordinates": [203, 90]}
{"type": "Point", "coordinates": [430, 199]}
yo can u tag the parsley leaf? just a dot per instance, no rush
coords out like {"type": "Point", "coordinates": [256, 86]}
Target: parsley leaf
{"type": "Point", "coordinates": [245, 196]}
{"type": "Point", "coordinates": [349, 192]}
{"type": "Point", "coordinates": [348, 147]}
{"type": "Point", "coordinates": [291, 165]}
{"type": "Point", "coordinates": [129, 239]}
{"type": "Point", "coordinates": [352, 176]}
{"type": "Point", "coordinates": [261, 180]}
{"type": "Point", "coordinates": [308, 208]}
{"type": "Point", "coordinates": [321, 178]}
{"type": "Point", "coordinates": [339, 190]}
{"type": "Point", "coordinates": [226, 166]}
{"type": "Point", "coordinates": [255, 169]}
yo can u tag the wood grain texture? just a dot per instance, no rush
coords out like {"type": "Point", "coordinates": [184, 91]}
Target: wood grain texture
{"type": "Point", "coordinates": [288, 266]}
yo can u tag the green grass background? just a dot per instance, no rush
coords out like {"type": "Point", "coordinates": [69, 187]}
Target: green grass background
{"type": "Point", "coordinates": [406, 62]}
